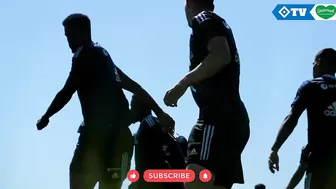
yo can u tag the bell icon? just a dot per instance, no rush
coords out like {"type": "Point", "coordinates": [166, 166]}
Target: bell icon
{"type": "Point", "coordinates": [205, 176]}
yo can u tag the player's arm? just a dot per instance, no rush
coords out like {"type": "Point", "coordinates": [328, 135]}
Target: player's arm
{"type": "Point", "coordinates": [297, 177]}
{"type": "Point", "coordinates": [219, 53]}
{"type": "Point", "coordinates": [288, 125]}
{"type": "Point", "coordinates": [70, 87]}
{"type": "Point", "coordinates": [130, 85]}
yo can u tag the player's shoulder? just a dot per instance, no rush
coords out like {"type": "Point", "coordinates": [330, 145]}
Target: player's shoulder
{"type": "Point", "coordinates": [315, 84]}
{"type": "Point", "coordinates": [319, 81]}
{"type": "Point", "coordinates": [206, 17]}
{"type": "Point", "coordinates": [89, 50]}
{"type": "Point", "coordinates": [99, 50]}
{"type": "Point", "coordinates": [325, 82]}
{"type": "Point", "coordinates": [307, 83]}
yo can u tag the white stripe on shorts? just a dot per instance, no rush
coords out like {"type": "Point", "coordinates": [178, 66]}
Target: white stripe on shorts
{"type": "Point", "coordinates": [307, 180]}
{"type": "Point", "coordinates": [206, 141]}
{"type": "Point", "coordinates": [124, 166]}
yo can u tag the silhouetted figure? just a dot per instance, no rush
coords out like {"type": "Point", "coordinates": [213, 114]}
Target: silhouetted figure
{"type": "Point", "coordinates": [260, 186]}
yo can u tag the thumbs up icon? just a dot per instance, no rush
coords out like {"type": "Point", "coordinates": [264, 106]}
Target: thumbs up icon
{"type": "Point", "coordinates": [205, 176]}
{"type": "Point", "coordinates": [133, 175]}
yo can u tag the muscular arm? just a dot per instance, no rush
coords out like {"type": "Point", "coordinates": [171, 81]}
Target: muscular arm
{"type": "Point", "coordinates": [287, 127]}
{"type": "Point", "coordinates": [61, 98]}
{"type": "Point", "coordinates": [79, 66]}
{"type": "Point", "coordinates": [217, 59]}
{"type": "Point", "coordinates": [291, 120]}
{"type": "Point", "coordinates": [214, 33]}
{"type": "Point", "coordinates": [133, 87]}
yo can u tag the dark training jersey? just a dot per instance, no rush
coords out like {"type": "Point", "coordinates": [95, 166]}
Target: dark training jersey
{"type": "Point", "coordinates": [318, 97]}
{"type": "Point", "coordinates": [224, 86]}
{"type": "Point", "coordinates": [155, 149]}
{"type": "Point", "coordinates": [98, 85]}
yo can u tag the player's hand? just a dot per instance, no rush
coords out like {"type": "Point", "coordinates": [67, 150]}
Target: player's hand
{"type": "Point", "coordinates": [174, 94]}
{"type": "Point", "coordinates": [167, 121]}
{"type": "Point", "coordinates": [273, 162]}
{"type": "Point", "coordinates": [42, 123]}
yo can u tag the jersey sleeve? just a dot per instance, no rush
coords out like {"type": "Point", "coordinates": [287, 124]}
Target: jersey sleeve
{"type": "Point", "coordinates": [209, 27]}
{"type": "Point", "coordinates": [302, 96]}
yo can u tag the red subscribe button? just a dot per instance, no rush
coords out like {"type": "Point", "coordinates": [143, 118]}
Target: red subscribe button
{"type": "Point", "coordinates": [169, 175]}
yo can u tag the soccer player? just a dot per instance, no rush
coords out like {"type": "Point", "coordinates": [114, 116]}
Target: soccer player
{"type": "Point", "coordinates": [318, 97]}
{"type": "Point", "coordinates": [99, 84]}
{"type": "Point", "coordinates": [155, 148]}
{"type": "Point", "coordinates": [260, 186]}
{"type": "Point", "coordinates": [301, 170]}
{"type": "Point", "coordinates": [218, 139]}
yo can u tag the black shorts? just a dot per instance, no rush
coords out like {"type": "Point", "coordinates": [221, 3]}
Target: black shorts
{"type": "Point", "coordinates": [322, 173]}
{"type": "Point", "coordinates": [217, 145]}
{"type": "Point", "coordinates": [104, 158]}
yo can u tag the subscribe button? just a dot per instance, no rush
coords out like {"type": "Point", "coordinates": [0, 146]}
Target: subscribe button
{"type": "Point", "coordinates": [169, 175]}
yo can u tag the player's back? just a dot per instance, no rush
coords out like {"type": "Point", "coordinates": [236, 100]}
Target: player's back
{"type": "Point", "coordinates": [222, 89]}
{"type": "Point", "coordinates": [320, 94]}
{"type": "Point", "coordinates": [148, 146]}
{"type": "Point", "coordinates": [100, 93]}
{"type": "Point", "coordinates": [156, 149]}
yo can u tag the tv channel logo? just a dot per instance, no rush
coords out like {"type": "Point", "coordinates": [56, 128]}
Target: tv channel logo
{"type": "Point", "coordinates": [305, 12]}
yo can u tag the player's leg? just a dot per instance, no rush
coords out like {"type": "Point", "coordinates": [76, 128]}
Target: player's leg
{"type": "Point", "coordinates": [322, 172]}
{"type": "Point", "coordinates": [193, 154]}
{"type": "Point", "coordinates": [225, 155]}
{"type": "Point", "coordinates": [214, 149]}
{"type": "Point", "coordinates": [199, 141]}
{"type": "Point", "coordinates": [82, 167]}
{"type": "Point", "coordinates": [118, 161]}
{"type": "Point", "coordinates": [331, 172]}
{"type": "Point", "coordinates": [82, 181]}
{"type": "Point", "coordinates": [116, 174]}
{"type": "Point", "coordinates": [317, 178]}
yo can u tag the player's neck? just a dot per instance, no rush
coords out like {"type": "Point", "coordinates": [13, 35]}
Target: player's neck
{"type": "Point", "coordinates": [88, 41]}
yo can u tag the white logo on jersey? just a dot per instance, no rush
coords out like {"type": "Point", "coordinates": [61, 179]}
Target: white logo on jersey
{"type": "Point", "coordinates": [193, 152]}
{"type": "Point", "coordinates": [115, 175]}
{"type": "Point", "coordinates": [324, 86]}
{"type": "Point", "coordinates": [331, 111]}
